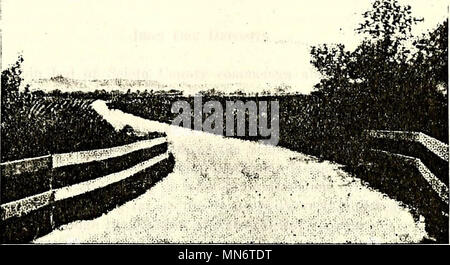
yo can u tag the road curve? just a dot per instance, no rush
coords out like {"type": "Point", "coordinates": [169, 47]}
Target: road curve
{"type": "Point", "coordinates": [226, 190]}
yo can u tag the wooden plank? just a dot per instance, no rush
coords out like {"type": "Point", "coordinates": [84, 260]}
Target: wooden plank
{"type": "Point", "coordinates": [438, 186]}
{"type": "Point", "coordinates": [81, 157]}
{"type": "Point", "coordinates": [437, 147]}
{"type": "Point", "coordinates": [434, 145]}
{"type": "Point", "coordinates": [87, 186]}
{"type": "Point", "coordinates": [26, 165]}
{"type": "Point", "coordinates": [24, 206]}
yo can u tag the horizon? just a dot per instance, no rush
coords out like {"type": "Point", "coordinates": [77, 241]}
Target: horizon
{"type": "Point", "coordinates": [134, 85]}
{"type": "Point", "coordinates": [189, 45]}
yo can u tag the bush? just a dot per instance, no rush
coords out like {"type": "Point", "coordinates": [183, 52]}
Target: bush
{"type": "Point", "coordinates": [36, 124]}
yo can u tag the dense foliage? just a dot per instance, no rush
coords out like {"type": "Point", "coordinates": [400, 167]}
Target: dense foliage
{"type": "Point", "coordinates": [35, 124]}
{"type": "Point", "coordinates": [392, 81]}
{"type": "Point", "coordinates": [387, 82]}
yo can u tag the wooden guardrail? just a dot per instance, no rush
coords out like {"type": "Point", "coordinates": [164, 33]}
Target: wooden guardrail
{"type": "Point", "coordinates": [26, 165]}
{"type": "Point", "coordinates": [39, 194]}
{"type": "Point", "coordinates": [438, 186]}
{"type": "Point", "coordinates": [435, 146]}
{"type": "Point", "coordinates": [413, 168]}
{"type": "Point", "coordinates": [427, 154]}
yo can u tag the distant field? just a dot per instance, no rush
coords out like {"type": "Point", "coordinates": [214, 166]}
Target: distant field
{"type": "Point", "coordinates": [308, 123]}
{"type": "Point", "coordinates": [40, 125]}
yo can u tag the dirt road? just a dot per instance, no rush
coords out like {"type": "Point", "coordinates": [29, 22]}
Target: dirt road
{"type": "Point", "coordinates": [229, 190]}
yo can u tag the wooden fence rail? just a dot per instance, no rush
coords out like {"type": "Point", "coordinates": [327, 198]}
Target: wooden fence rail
{"type": "Point", "coordinates": [428, 155]}
{"type": "Point", "coordinates": [437, 147]}
{"type": "Point", "coordinates": [413, 168]}
{"type": "Point", "coordinates": [63, 196]}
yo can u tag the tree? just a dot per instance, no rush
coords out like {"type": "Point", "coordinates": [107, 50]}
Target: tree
{"type": "Point", "coordinates": [432, 56]}
{"type": "Point", "coordinates": [383, 83]}
{"type": "Point", "coordinates": [388, 24]}
{"type": "Point", "coordinates": [11, 77]}
{"type": "Point", "coordinates": [11, 81]}
{"type": "Point", "coordinates": [378, 60]}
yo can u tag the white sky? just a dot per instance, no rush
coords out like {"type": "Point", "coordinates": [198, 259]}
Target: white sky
{"type": "Point", "coordinates": [197, 41]}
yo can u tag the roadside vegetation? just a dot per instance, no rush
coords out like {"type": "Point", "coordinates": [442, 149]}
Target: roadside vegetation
{"type": "Point", "coordinates": [35, 123]}
{"type": "Point", "coordinates": [391, 81]}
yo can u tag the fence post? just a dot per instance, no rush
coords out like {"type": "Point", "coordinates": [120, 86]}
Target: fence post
{"type": "Point", "coordinates": [52, 197]}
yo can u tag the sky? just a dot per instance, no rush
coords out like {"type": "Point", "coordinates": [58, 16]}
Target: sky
{"type": "Point", "coordinates": [249, 42]}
